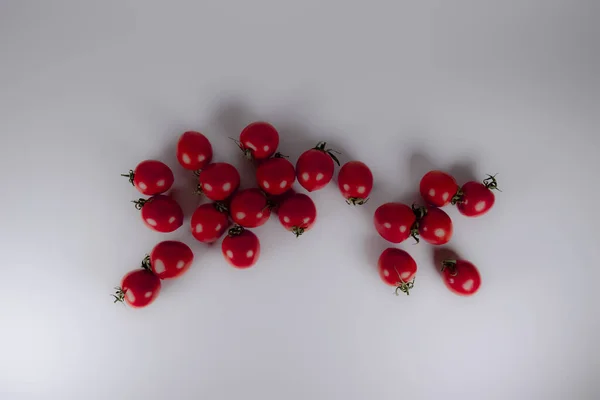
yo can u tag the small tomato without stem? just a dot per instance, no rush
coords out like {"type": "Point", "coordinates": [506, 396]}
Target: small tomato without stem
{"type": "Point", "coordinates": [250, 208]}
{"type": "Point", "coordinates": [355, 182]}
{"type": "Point", "coordinates": [241, 248]}
{"type": "Point", "coordinates": [170, 259]}
{"type": "Point", "coordinates": [194, 151]}
{"type": "Point", "coordinates": [209, 222]}
{"type": "Point", "coordinates": [218, 181]}
{"type": "Point", "coordinates": [276, 175]}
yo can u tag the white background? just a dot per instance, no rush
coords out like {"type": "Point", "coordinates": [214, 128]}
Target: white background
{"type": "Point", "coordinates": [88, 89]}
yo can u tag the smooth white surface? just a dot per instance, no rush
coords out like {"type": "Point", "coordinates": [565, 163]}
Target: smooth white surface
{"type": "Point", "coordinates": [88, 89]}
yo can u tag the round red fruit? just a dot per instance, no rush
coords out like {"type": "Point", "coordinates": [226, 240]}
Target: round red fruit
{"type": "Point", "coordinates": [249, 208]}
{"type": "Point", "coordinates": [397, 268]}
{"type": "Point", "coordinates": [435, 226]}
{"type": "Point", "coordinates": [461, 277]}
{"type": "Point", "coordinates": [314, 168]}
{"type": "Point", "coordinates": [209, 222]}
{"type": "Point", "coordinates": [355, 181]}
{"type": "Point", "coordinates": [139, 288]}
{"type": "Point", "coordinates": [276, 175]}
{"type": "Point", "coordinates": [438, 188]}
{"type": "Point", "coordinates": [160, 213]}
{"type": "Point", "coordinates": [151, 177]}
{"type": "Point", "coordinates": [241, 248]}
{"type": "Point", "coordinates": [259, 140]}
{"type": "Point", "coordinates": [394, 221]}
{"type": "Point", "coordinates": [194, 151]}
{"type": "Point", "coordinates": [297, 213]}
{"type": "Point", "coordinates": [170, 259]}
{"type": "Point", "coordinates": [218, 181]}
{"type": "Point", "coordinates": [475, 198]}
{"type": "Point", "coordinates": [277, 200]}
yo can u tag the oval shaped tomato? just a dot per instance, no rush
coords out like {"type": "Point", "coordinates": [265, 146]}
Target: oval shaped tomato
{"type": "Point", "coordinates": [241, 248]}
{"type": "Point", "coordinates": [218, 181]}
{"type": "Point", "coordinates": [209, 222]}
{"type": "Point", "coordinates": [151, 177]}
{"type": "Point", "coordinates": [297, 213]}
{"type": "Point", "coordinates": [461, 277]}
{"type": "Point", "coordinates": [394, 222]}
{"type": "Point", "coordinates": [139, 288]}
{"type": "Point", "coordinates": [259, 140]}
{"type": "Point", "coordinates": [250, 208]}
{"type": "Point", "coordinates": [435, 226]}
{"type": "Point", "coordinates": [275, 175]}
{"type": "Point", "coordinates": [397, 268]}
{"type": "Point", "coordinates": [314, 168]}
{"type": "Point", "coordinates": [170, 259]}
{"type": "Point", "coordinates": [194, 151]}
{"type": "Point", "coordinates": [475, 198]}
{"type": "Point", "coordinates": [160, 213]}
{"type": "Point", "coordinates": [438, 188]}
{"type": "Point", "coordinates": [355, 181]}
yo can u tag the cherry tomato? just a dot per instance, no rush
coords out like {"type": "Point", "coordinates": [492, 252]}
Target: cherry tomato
{"type": "Point", "coordinates": [139, 288]}
{"type": "Point", "coordinates": [461, 277]}
{"type": "Point", "coordinates": [297, 213]}
{"type": "Point", "coordinates": [218, 181]}
{"type": "Point", "coordinates": [277, 200]}
{"type": "Point", "coordinates": [397, 268]}
{"type": "Point", "coordinates": [314, 167]}
{"type": "Point", "coordinates": [355, 181]}
{"type": "Point", "coordinates": [209, 222]}
{"type": "Point", "coordinates": [475, 199]}
{"type": "Point", "coordinates": [151, 177]}
{"type": "Point", "coordinates": [241, 247]}
{"type": "Point", "coordinates": [438, 188]}
{"type": "Point", "coordinates": [249, 208]}
{"type": "Point", "coordinates": [395, 222]}
{"type": "Point", "coordinates": [194, 151]}
{"type": "Point", "coordinates": [259, 140]}
{"type": "Point", "coordinates": [275, 175]}
{"type": "Point", "coordinates": [435, 226]}
{"type": "Point", "coordinates": [170, 259]}
{"type": "Point", "coordinates": [160, 213]}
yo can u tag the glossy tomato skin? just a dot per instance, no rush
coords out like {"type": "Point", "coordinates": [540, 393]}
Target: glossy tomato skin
{"type": "Point", "coordinates": [276, 175]}
{"type": "Point", "coordinates": [435, 227]}
{"type": "Point", "coordinates": [259, 140]}
{"type": "Point", "coordinates": [219, 181]}
{"type": "Point", "coordinates": [461, 277]}
{"type": "Point", "coordinates": [476, 199]}
{"type": "Point", "coordinates": [194, 151]}
{"type": "Point", "coordinates": [437, 188]}
{"type": "Point", "coordinates": [314, 169]}
{"type": "Point", "coordinates": [297, 213]}
{"type": "Point", "coordinates": [209, 222]}
{"type": "Point", "coordinates": [161, 213]}
{"type": "Point", "coordinates": [277, 200]}
{"type": "Point", "coordinates": [140, 288]}
{"type": "Point", "coordinates": [152, 177]}
{"type": "Point", "coordinates": [394, 221]}
{"type": "Point", "coordinates": [397, 268]}
{"type": "Point", "coordinates": [249, 208]}
{"type": "Point", "coordinates": [170, 259]}
{"type": "Point", "coordinates": [241, 248]}
{"type": "Point", "coordinates": [355, 182]}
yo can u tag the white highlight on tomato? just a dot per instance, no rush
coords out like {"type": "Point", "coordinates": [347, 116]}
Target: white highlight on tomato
{"type": "Point", "coordinates": [432, 192]}
{"type": "Point", "coordinates": [186, 158]}
{"type": "Point", "coordinates": [306, 220]}
{"type": "Point", "coordinates": [387, 225]}
{"type": "Point", "coordinates": [361, 189]}
{"type": "Point", "coordinates": [148, 295]}
{"type": "Point", "coordinates": [172, 219]}
{"type": "Point", "coordinates": [180, 264]}
{"type": "Point", "coordinates": [159, 266]}
{"type": "Point", "coordinates": [240, 215]}
{"type": "Point", "coordinates": [250, 145]}
{"type": "Point", "coordinates": [199, 228]}
{"type": "Point", "coordinates": [305, 176]}
{"type": "Point", "coordinates": [249, 253]}
{"type": "Point", "coordinates": [160, 183]}
{"type": "Point", "coordinates": [468, 284]}
{"type": "Point", "coordinates": [142, 186]}
{"type": "Point", "coordinates": [259, 215]}
{"type": "Point", "coordinates": [405, 275]}
{"type": "Point", "coordinates": [130, 296]}
{"type": "Point", "coordinates": [445, 196]}
{"type": "Point", "coordinates": [218, 227]}
{"type": "Point", "coordinates": [403, 228]}
{"type": "Point", "coordinates": [346, 187]}
{"type": "Point", "coordinates": [286, 220]}
{"type": "Point", "coordinates": [201, 157]}
{"type": "Point", "coordinates": [207, 186]}
{"type": "Point", "coordinates": [282, 184]}
{"type": "Point", "coordinates": [229, 253]}
{"type": "Point", "coordinates": [386, 272]}
{"type": "Point", "coordinates": [266, 184]}
{"type": "Point", "coordinates": [151, 222]}
{"type": "Point", "coordinates": [439, 232]}
{"type": "Point", "coordinates": [320, 176]}
{"type": "Point", "coordinates": [266, 148]}
{"type": "Point", "coordinates": [227, 186]}
{"type": "Point", "coordinates": [480, 206]}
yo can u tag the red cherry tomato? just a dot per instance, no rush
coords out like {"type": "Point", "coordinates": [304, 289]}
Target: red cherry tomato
{"type": "Point", "coordinates": [394, 222]}
{"type": "Point", "coordinates": [241, 247]}
{"type": "Point", "coordinates": [397, 268]}
{"type": "Point", "coordinates": [314, 167]}
{"type": "Point", "coordinates": [355, 181]}
{"type": "Point", "coordinates": [438, 188]}
{"type": "Point", "coordinates": [139, 288]}
{"type": "Point", "coordinates": [297, 213]}
{"type": "Point", "coordinates": [435, 226]}
{"type": "Point", "coordinates": [275, 175]}
{"type": "Point", "coordinates": [160, 213]}
{"type": "Point", "coordinates": [259, 140]}
{"type": "Point", "coordinates": [170, 259]}
{"type": "Point", "coordinates": [151, 177]}
{"type": "Point", "coordinates": [249, 208]}
{"type": "Point", "coordinates": [194, 151]}
{"type": "Point", "coordinates": [277, 200]}
{"type": "Point", "coordinates": [219, 180]}
{"type": "Point", "coordinates": [461, 277]}
{"type": "Point", "coordinates": [475, 199]}
{"type": "Point", "coordinates": [209, 222]}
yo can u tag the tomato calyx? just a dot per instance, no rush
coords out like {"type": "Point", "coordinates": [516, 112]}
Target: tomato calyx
{"type": "Point", "coordinates": [419, 212]}
{"type": "Point", "coordinates": [140, 203]}
{"type": "Point", "coordinates": [236, 230]}
{"type": "Point", "coordinates": [332, 153]}
{"type": "Point", "coordinates": [131, 176]}
{"type": "Point", "coordinates": [119, 295]}
{"type": "Point", "coordinates": [298, 230]}
{"type": "Point", "coordinates": [198, 191]}
{"type": "Point", "coordinates": [449, 265]}
{"type": "Point", "coordinates": [457, 198]}
{"type": "Point", "coordinates": [404, 287]}
{"type": "Point", "coordinates": [221, 207]}
{"type": "Point", "coordinates": [246, 151]}
{"type": "Point", "coordinates": [491, 183]}
{"type": "Point", "coordinates": [146, 263]}
{"type": "Point", "coordinates": [356, 201]}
